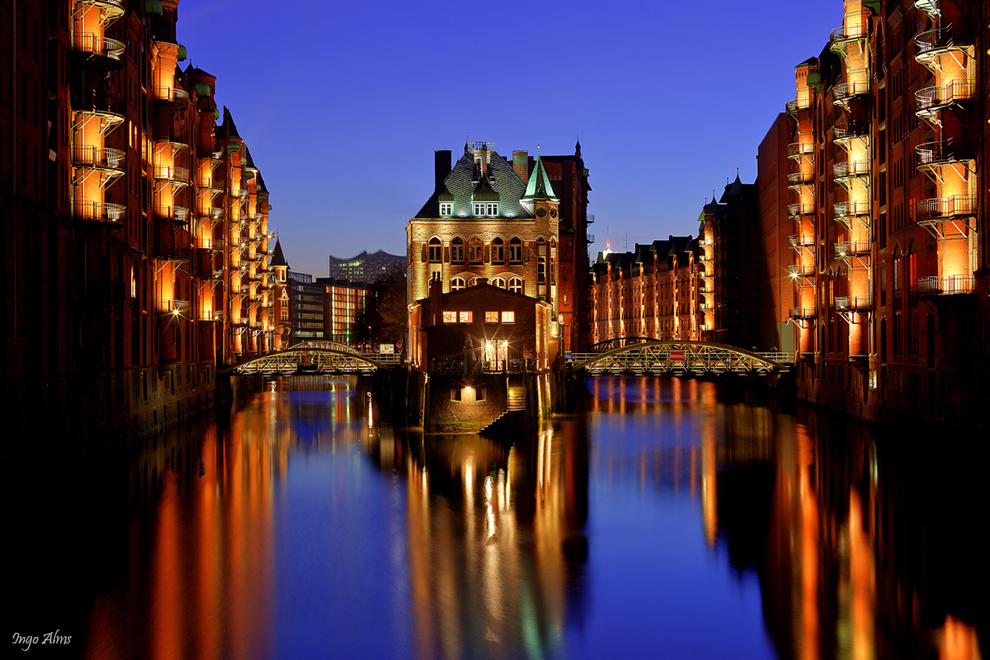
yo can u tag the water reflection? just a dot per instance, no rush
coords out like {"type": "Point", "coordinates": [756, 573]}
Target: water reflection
{"type": "Point", "coordinates": [671, 519]}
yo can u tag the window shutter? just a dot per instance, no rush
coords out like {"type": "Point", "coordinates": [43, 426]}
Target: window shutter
{"type": "Point", "coordinates": [426, 255]}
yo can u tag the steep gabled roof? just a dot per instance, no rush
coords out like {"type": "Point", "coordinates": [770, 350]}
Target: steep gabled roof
{"type": "Point", "coordinates": [228, 129]}
{"type": "Point", "coordinates": [278, 259]}
{"type": "Point", "coordinates": [539, 183]}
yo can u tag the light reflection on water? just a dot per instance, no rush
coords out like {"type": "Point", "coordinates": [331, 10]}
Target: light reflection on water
{"type": "Point", "coordinates": [668, 520]}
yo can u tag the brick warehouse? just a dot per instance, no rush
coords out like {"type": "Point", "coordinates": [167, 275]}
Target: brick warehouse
{"type": "Point", "coordinates": [520, 224]}
{"type": "Point", "coordinates": [889, 212]}
{"type": "Point", "coordinates": [135, 227]}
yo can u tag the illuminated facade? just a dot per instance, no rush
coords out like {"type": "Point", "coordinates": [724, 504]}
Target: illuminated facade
{"type": "Point", "coordinates": [366, 268]}
{"type": "Point", "coordinates": [504, 221]}
{"type": "Point", "coordinates": [889, 211]}
{"type": "Point", "coordinates": [135, 228]}
{"type": "Point", "coordinates": [654, 292]}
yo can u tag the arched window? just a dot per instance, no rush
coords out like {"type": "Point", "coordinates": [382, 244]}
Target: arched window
{"type": "Point", "coordinates": [499, 282]}
{"type": "Point", "coordinates": [515, 251]}
{"type": "Point", "coordinates": [457, 251]}
{"type": "Point", "coordinates": [516, 285]}
{"type": "Point", "coordinates": [456, 284]}
{"type": "Point", "coordinates": [498, 251]}
{"type": "Point", "coordinates": [436, 250]}
{"type": "Point", "coordinates": [476, 250]}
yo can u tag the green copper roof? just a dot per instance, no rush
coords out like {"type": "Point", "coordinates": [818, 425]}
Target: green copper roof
{"type": "Point", "coordinates": [484, 193]}
{"type": "Point", "coordinates": [539, 184]}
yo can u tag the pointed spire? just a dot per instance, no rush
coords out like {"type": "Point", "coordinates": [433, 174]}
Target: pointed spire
{"type": "Point", "coordinates": [278, 259]}
{"type": "Point", "coordinates": [539, 183]}
{"type": "Point", "coordinates": [228, 125]}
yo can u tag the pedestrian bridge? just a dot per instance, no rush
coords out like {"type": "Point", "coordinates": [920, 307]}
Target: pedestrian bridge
{"type": "Point", "coordinates": [315, 357]}
{"type": "Point", "coordinates": [679, 357]}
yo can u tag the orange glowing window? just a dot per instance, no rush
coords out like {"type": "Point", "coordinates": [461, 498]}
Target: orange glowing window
{"type": "Point", "coordinates": [491, 317]}
{"type": "Point", "coordinates": [465, 317]}
{"type": "Point", "coordinates": [450, 317]}
{"type": "Point", "coordinates": [508, 317]}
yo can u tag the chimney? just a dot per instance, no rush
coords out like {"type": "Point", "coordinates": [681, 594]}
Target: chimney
{"type": "Point", "coordinates": [520, 163]}
{"type": "Point", "coordinates": [441, 164]}
{"type": "Point", "coordinates": [436, 298]}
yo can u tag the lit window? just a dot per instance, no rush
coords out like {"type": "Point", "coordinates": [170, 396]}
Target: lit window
{"type": "Point", "coordinates": [516, 285]}
{"type": "Point", "coordinates": [457, 250]}
{"type": "Point", "coordinates": [475, 250]}
{"type": "Point", "coordinates": [491, 317]}
{"type": "Point", "coordinates": [498, 251]}
{"type": "Point", "coordinates": [515, 250]}
{"type": "Point", "coordinates": [457, 284]}
{"type": "Point", "coordinates": [450, 317]}
{"type": "Point", "coordinates": [479, 209]}
{"type": "Point", "coordinates": [499, 282]}
{"type": "Point", "coordinates": [436, 250]}
{"type": "Point", "coordinates": [446, 208]}
{"type": "Point", "coordinates": [465, 317]}
{"type": "Point", "coordinates": [508, 317]}
{"type": "Point", "coordinates": [493, 209]}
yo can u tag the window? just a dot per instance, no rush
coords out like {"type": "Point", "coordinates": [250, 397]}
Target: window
{"type": "Point", "coordinates": [446, 208]}
{"type": "Point", "coordinates": [436, 250]}
{"type": "Point", "coordinates": [285, 315]}
{"type": "Point", "coordinates": [508, 317]}
{"type": "Point", "coordinates": [479, 209]}
{"type": "Point", "coordinates": [541, 271]}
{"type": "Point", "coordinates": [515, 251]}
{"type": "Point", "coordinates": [499, 282]}
{"type": "Point", "coordinates": [465, 317]}
{"type": "Point", "coordinates": [498, 251]}
{"type": "Point", "coordinates": [516, 285]}
{"type": "Point", "coordinates": [456, 284]}
{"type": "Point", "coordinates": [450, 317]}
{"type": "Point", "coordinates": [491, 317]}
{"type": "Point", "coordinates": [475, 250]}
{"type": "Point", "coordinates": [492, 209]}
{"type": "Point", "coordinates": [457, 250]}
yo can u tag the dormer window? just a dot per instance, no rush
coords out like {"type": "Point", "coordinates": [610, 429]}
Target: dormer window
{"type": "Point", "coordinates": [486, 209]}
{"type": "Point", "coordinates": [446, 208]}
{"type": "Point", "coordinates": [492, 209]}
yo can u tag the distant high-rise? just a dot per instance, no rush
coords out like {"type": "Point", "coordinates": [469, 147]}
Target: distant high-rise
{"type": "Point", "coordinates": [366, 268]}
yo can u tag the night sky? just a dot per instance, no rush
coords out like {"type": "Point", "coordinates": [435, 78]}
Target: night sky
{"type": "Point", "coordinates": [343, 103]}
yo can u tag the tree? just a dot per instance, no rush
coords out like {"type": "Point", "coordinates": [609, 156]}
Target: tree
{"type": "Point", "coordinates": [389, 317]}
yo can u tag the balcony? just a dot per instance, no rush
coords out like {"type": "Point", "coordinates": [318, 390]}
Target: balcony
{"type": "Point", "coordinates": [852, 171]}
{"type": "Point", "coordinates": [169, 250]}
{"type": "Point", "coordinates": [800, 150]}
{"type": "Point", "coordinates": [98, 212]}
{"type": "Point", "coordinates": [845, 250]}
{"type": "Point", "coordinates": [928, 46]}
{"type": "Point", "coordinates": [930, 7]}
{"type": "Point", "coordinates": [803, 313]}
{"type": "Point", "coordinates": [946, 285]}
{"type": "Point", "coordinates": [108, 108]}
{"type": "Point", "coordinates": [796, 105]}
{"type": "Point", "coordinates": [172, 174]}
{"type": "Point", "coordinates": [800, 270]}
{"type": "Point", "coordinates": [177, 214]}
{"type": "Point", "coordinates": [853, 303]}
{"type": "Point", "coordinates": [172, 95]}
{"type": "Point", "coordinates": [799, 179]}
{"type": "Point", "coordinates": [842, 37]}
{"type": "Point", "coordinates": [845, 210]}
{"type": "Point", "coordinates": [946, 208]}
{"type": "Point", "coordinates": [800, 242]}
{"type": "Point", "coordinates": [210, 243]}
{"type": "Point", "coordinates": [845, 92]}
{"type": "Point", "coordinates": [933, 99]}
{"type": "Point", "coordinates": [801, 208]}
{"type": "Point", "coordinates": [98, 46]}
{"type": "Point", "coordinates": [112, 9]}
{"type": "Point", "coordinates": [842, 135]}
{"type": "Point", "coordinates": [932, 155]}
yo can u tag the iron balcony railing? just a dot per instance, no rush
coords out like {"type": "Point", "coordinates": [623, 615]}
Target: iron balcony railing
{"type": "Point", "coordinates": [172, 173]}
{"type": "Point", "coordinates": [112, 9]}
{"type": "Point", "coordinates": [170, 251]}
{"type": "Point", "coordinates": [801, 270]}
{"type": "Point", "coordinates": [849, 131]}
{"type": "Point", "coordinates": [794, 105]}
{"type": "Point", "coordinates": [943, 152]}
{"type": "Point", "coordinates": [800, 178]}
{"type": "Point", "coordinates": [850, 169]}
{"type": "Point", "coordinates": [172, 94]}
{"type": "Point", "coordinates": [851, 88]}
{"type": "Point", "coordinates": [938, 40]}
{"type": "Point", "coordinates": [946, 285]}
{"type": "Point", "coordinates": [857, 28]}
{"type": "Point", "coordinates": [103, 158]}
{"type": "Point", "coordinates": [109, 107]}
{"type": "Point", "coordinates": [801, 208]}
{"type": "Point", "coordinates": [946, 207]}
{"type": "Point", "coordinates": [940, 96]}
{"type": "Point", "coordinates": [799, 241]}
{"type": "Point", "coordinates": [851, 248]}
{"type": "Point", "coordinates": [103, 46]}
{"type": "Point", "coordinates": [803, 313]}
{"type": "Point", "coordinates": [179, 214]}
{"type": "Point", "coordinates": [98, 211]}
{"type": "Point", "coordinates": [800, 149]}
{"type": "Point", "coordinates": [847, 209]}
{"type": "Point", "coordinates": [930, 7]}
{"type": "Point", "coordinates": [853, 303]}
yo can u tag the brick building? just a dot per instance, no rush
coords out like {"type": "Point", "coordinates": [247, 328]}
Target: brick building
{"type": "Point", "coordinates": [134, 227]}
{"type": "Point", "coordinates": [506, 223]}
{"type": "Point", "coordinates": [890, 211]}
{"type": "Point", "coordinates": [653, 292]}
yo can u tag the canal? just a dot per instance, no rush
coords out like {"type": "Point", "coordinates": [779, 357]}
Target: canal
{"type": "Point", "coordinates": [668, 519]}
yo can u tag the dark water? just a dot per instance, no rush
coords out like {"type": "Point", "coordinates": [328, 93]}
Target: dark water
{"type": "Point", "coordinates": [667, 521]}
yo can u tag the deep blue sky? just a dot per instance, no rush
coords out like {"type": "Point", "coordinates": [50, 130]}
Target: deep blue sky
{"type": "Point", "coordinates": [343, 103]}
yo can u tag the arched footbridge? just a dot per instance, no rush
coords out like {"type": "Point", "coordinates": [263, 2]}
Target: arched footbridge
{"type": "Point", "coordinates": [679, 357]}
{"type": "Point", "coordinates": [315, 357]}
